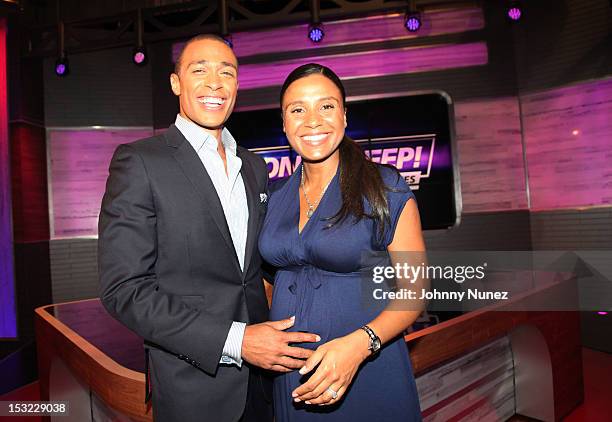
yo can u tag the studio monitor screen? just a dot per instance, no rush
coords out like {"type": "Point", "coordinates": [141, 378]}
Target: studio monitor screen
{"type": "Point", "coordinates": [413, 133]}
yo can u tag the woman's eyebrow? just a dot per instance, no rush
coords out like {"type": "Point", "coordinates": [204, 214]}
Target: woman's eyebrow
{"type": "Point", "coordinates": [329, 98]}
{"type": "Point", "coordinates": [317, 100]}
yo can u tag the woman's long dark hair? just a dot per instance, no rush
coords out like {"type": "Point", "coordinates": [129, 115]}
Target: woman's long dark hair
{"type": "Point", "coordinates": [359, 177]}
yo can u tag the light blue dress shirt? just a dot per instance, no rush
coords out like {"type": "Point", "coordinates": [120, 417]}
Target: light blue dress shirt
{"type": "Point", "coordinates": [232, 194]}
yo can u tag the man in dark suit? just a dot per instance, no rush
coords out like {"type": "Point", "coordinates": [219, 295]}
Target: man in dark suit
{"type": "Point", "coordinates": [178, 254]}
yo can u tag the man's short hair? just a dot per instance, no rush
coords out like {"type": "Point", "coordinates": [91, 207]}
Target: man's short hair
{"type": "Point", "coordinates": [201, 37]}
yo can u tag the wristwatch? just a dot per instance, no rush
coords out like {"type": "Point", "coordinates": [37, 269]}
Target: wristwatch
{"type": "Point", "coordinates": [374, 339]}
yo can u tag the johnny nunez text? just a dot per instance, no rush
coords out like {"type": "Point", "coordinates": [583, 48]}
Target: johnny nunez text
{"type": "Point", "coordinates": [434, 294]}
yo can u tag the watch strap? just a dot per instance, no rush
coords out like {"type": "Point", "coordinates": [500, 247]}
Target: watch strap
{"type": "Point", "coordinates": [373, 338]}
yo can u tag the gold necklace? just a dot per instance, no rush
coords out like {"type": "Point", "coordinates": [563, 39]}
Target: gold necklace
{"type": "Point", "coordinates": [311, 207]}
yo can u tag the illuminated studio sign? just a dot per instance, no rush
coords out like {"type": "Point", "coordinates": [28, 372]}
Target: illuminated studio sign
{"type": "Point", "coordinates": [412, 156]}
{"type": "Point", "coordinates": [413, 133]}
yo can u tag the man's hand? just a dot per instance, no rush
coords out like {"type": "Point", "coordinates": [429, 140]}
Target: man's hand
{"type": "Point", "coordinates": [267, 345]}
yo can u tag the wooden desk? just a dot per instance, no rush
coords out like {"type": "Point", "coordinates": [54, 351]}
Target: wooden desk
{"type": "Point", "coordinates": [101, 354]}
{"type": "Point", "coordinates": [107, 360]}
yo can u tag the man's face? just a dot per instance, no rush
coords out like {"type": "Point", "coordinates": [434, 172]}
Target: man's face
{"type": "Point", "coordinates": [207, 83]}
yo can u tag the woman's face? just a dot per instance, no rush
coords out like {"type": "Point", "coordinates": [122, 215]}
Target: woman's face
{"type": "Point", "coordinates": [313, 117]}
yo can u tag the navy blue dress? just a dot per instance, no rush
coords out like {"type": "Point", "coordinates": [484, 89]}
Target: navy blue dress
{"type": "Point", "coordinates": [318, 280]}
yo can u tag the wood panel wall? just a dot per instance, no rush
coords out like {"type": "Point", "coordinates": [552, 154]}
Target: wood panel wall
{"type": "Point", "coordinates": [79, 162]}
{"type": "Point", "coordinates": [491, 165]}
{"type": "Point", "coordinates": [29, 181]}
{"type": "Point", "coordinates": [568, 142]}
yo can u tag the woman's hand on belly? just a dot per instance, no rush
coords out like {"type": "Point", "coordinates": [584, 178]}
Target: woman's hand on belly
{"type": "Point", "coordinates": [338, 360]}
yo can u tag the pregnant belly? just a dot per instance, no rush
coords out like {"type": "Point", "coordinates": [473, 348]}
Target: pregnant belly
{"type": "Point", "coordinates": [330, 305]}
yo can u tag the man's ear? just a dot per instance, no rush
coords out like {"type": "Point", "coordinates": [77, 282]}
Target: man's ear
{"type": "Point", "coordinates": [345, 120]}
{"type": "Point", "coordinates": [175, 84]}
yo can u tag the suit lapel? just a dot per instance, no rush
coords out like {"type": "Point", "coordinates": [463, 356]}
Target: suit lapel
{"type": "Point", "coordinates": [195, 171]}
{"type": "Point", "coordinates": [252, 194]}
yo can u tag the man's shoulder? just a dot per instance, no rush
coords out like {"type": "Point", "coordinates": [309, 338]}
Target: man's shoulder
{"type": "Point", "coordinates": [147, 143]}
{"type": "Point", "coordinates": [256, 159]}
{"type": "Point", "coordinates": [248, 153]}
{"type": "Point", "coordinates": [152, 146]}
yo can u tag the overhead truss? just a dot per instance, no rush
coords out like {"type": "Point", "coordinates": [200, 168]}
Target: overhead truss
{"type": "Point", "coordinates": [180, 21]}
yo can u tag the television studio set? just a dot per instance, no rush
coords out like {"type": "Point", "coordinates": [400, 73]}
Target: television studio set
{"type": "Point", "coordinates": [306, 210]}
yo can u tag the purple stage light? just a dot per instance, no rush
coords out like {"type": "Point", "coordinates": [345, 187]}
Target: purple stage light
{"type": "Point", "coordinates": [412, 22]}
{"type": "Point", "coordinates": [514, 13]}
{"type": "Point", "coordinates": [139, 56]}
{"type": "Point", "coordinates": [341, 32]}
{"type": "Point", "coordinates": [61, 66]}
{"type": "Point", "coordinates": [602, 313]}
{"type": "Point", "coordinates": [315, 33]}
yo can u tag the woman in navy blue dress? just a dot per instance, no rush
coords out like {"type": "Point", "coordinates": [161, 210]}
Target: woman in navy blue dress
{"type": "Point", "coordinates": [337, 208]}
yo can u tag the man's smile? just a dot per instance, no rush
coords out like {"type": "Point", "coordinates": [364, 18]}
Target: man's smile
{"type": "Point", "coordinates": [211, 103]}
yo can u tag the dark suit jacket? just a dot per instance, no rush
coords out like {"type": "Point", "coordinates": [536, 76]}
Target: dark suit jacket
{"type": "Point", "coordinates": [169, 272]}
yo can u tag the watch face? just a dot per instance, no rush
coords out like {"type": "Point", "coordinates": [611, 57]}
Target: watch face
{"type": "Point", "coordinates": [375, 344]}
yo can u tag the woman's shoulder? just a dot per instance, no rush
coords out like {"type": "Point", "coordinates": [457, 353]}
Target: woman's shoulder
{"type": "Point", "coordinates": [392, 178]}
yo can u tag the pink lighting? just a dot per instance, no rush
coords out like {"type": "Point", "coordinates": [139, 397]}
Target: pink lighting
{"type": "Point", "coordinates": [566, 169]}
{"type": "Point", "coordinates": [354, 31]}
{"type": "Point", "coordinates": [8, 316]}
{"type": "Point", "coordinates": [602, 313]}
{"type": "Point", "coordinates": [514, 13]}
{"type": "Point", "coordinates": [372, 63]}
{"type": "Point", "coordinates": [139, 57]}
{"type": "Point", "coordinates": [78, 162]}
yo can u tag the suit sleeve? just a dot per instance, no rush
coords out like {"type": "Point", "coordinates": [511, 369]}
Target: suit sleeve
{"type": "Point", "coordinates": [127, 253]}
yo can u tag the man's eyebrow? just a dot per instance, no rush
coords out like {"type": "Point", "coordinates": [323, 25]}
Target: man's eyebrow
{"type": "Point", "coordinates": [293, 103]}
{"type": "Point", "coordinates": [229, 64]}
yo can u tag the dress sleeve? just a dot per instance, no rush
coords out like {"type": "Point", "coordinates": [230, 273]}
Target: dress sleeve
{"type": "Point", "coordinates": [397, 195]}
